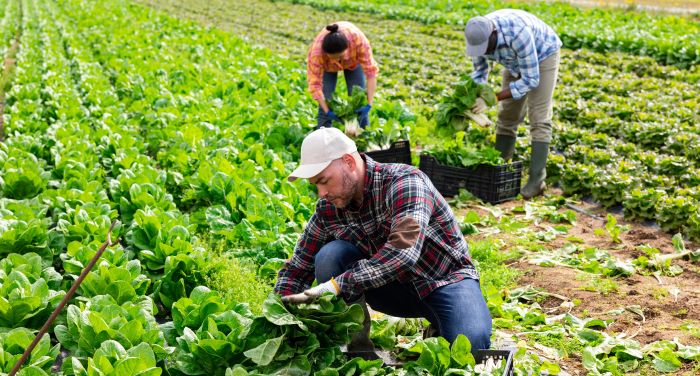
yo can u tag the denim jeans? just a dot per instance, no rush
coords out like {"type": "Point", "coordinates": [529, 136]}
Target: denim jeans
{"type": "Point", "coordinates": [355, 77]}
{"type": "Point", "coordinates": [458, 308]}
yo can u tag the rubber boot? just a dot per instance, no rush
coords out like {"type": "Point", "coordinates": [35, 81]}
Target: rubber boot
{"type": "Point", "coordinates": [506, 145]}
{"type": "Point", "coordinates": [538, 170]}
{"type": "Point", "coordinates": [361, 344]}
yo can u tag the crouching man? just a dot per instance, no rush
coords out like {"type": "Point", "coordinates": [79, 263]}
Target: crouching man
{"type": "Point", "coordinates": [382, 235]}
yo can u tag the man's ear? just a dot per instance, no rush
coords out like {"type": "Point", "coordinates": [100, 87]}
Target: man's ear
{"type": "Point", "coordinates": [350, 161]}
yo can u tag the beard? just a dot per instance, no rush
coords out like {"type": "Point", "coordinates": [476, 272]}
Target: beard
{"type": "Point", "coordinates": [346, 195]}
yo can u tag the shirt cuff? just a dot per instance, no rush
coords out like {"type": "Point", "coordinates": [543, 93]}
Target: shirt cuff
{"type": "Point", "coordinates": [515, 90]}
{"type": "Point", "coordinates": [479, 78]}
{"type": "Point", "coordinates": [370, 72]}
{"type": "Point", "coordinates": [349, 289]}
{"type": "Point", "coordinates": [317, 95]}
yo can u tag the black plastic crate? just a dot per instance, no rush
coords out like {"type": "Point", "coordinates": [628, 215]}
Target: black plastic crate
{"type": "Point", "coordinates": [492, 184]}
{"type": "Point", "coordinates": [506, 355]}
{"type": "Point", "coordinates": [398, 152]}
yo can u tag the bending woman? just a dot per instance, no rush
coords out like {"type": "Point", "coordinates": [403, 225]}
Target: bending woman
{"type": "Point", "coordinates": [341, 47]}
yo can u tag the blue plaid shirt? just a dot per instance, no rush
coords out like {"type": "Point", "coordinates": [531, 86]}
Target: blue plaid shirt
{"type": "Point", "coordinates": [523, 42]}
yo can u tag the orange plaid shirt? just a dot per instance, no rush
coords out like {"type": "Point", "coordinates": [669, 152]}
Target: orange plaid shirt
{"type": "Point", "coordinates": [359, 52]}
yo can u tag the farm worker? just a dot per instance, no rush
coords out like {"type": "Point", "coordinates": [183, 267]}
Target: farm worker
{"type": "Point", "coordinates": [529, 50]}
{"type": "Point", "coordinates": [382, 234]}
{"type": "Point", "coordinates": [340, 47]}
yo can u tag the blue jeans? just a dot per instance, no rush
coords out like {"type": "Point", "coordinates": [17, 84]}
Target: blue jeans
{"type": "Point", "coordinates": [458, 308]}
{"type": "Point", "coordinates": [355, 77]}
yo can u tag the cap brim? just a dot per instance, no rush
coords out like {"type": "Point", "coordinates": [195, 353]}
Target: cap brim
{"type": "Point", "coordinates": [477, 50]}
{"type": "Point", "coordinates": [308, 171]}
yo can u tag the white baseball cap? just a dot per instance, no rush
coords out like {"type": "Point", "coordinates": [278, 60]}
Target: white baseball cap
{"type": "Point", "coordinates": [319, 149]}
{"type": "Point", "coordinates": [477, 33]}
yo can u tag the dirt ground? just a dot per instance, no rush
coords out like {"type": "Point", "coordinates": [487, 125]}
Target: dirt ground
{"type": "Point", "coordinates": [666, 302]}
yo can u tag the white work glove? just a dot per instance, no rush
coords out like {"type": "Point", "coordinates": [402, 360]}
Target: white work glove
{"type": "Point", "coordinates": [309, 295]}
{"type": "Point", "coordinates": [479, 106]}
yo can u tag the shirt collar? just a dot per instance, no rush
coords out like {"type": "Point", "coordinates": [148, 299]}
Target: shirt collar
{"type": "Point", "coordinates": [372, 168]}
{"type": "Point", "coordinates": [500, 43]}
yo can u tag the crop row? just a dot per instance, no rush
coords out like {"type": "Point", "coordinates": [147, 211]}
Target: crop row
{"type": "Point", "coordinates": [668, 39]}
{"type": "Point", "coordinates": [650, 109]}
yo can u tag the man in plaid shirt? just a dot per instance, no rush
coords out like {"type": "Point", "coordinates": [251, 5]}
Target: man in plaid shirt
{"type": "Point", "coordinates": [382, 234]}
{"type": "Point", "coordinates": [529, 50]}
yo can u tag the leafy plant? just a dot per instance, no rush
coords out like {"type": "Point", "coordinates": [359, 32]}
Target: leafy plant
{"type": "Point", "coordinates": [123, 283]}
{"type": "Point", "coordinates": [345, 108]}
{"type": "Point", "coordinates": [641, 203]}
{"type": "Point", "coordinates": [455, 152]}
{"type": "Point", "coordinates": [21, 174]}
{"type": "Point", "coordinates": [437, 357]}
{"type": "Point", "coordinates": [654, 260]}
{"type": "Point", "coordinates": [25, 236]}
{"type": "Point", "coordinates": [454, 111]}
{"type": "Point", "coordinates": [156, 235]}
{"type": "Point", "coordinates": [385, 330]}
{"type": "Point", "coordinates": [28, 291]}
{"type": "Point", "coordinates": [298, 338]}
{"type": "Point", "coordinates": [672, 213]}
{"type": "Point", "coordinates": [13, 342]}
{"type": "Point", "coordinates": [182, 273]}
{"type": "Point", "coordinates": [101, 319]}
{"type": "Point", "coordinates": [78, 255]}
{"type": "Point", "coordinates": [613, 229]}
{"type": "Point", "coordinates": [112, 359]}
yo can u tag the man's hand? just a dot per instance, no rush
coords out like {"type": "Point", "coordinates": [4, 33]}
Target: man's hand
{"type": "Point", "coordinates": [479, 106]}
{"type": "Point", "coordinates": [309, 295]}
{"type": "Point", "coordinates": [331, 115]}
{"type": "Point", "coordinates": [504, 94]}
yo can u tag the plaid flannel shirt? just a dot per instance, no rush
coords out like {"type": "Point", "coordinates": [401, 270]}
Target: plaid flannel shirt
{"type": "Point", "coordinates": [358, 52]}
{"type": "Point", "coordinates": [523, 42]}
{"type": "Point", "coordinates": [392, 194]}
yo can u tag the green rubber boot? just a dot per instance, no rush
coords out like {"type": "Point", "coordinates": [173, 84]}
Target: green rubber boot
{"type": "Point", "coordinates": [506, 145]}
{"type": "Point", "coordinates": [538, 170]}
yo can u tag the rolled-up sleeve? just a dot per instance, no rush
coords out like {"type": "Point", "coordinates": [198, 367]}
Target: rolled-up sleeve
{"type": "Point", "coordinates": [365, 56]}
{"type": "Point", "coordinates": [297, 274]}
{"type": "Point", "coordinates": [528, 63]}
{"type": "Point", "coordinates": [412, 205]}
{"type": "Point", "coordinates": [314, 69]}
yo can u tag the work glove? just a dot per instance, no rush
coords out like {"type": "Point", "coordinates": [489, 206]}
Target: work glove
{"type": "Point", "coordinates": [479, 106]}
{"type": "Point", "coordinates": [363, 113]}
{"type": "Point", "coordinates": [331, 115]}
{"type": "Point", "coordinates": [309, 295]}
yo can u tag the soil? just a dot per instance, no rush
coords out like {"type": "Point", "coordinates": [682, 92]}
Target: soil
{"type": "Point", "coordinates": [663, 312]}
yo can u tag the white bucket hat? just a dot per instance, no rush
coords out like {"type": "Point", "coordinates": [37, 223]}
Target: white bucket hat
{"type": "Point", "coordinates": [319, 149]}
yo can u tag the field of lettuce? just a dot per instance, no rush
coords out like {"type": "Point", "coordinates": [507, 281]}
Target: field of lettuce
{"type": "Point", "coordinates": [182, 119]}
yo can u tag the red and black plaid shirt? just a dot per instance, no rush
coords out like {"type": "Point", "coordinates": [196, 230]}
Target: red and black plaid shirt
{"type": "Point", "coordinates": [392, 192]}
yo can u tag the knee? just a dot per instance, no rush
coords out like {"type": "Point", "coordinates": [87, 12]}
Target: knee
{"type": "Point", "coordinates": [479, 336]}
{"type": "Point", "coordinates": [333, 258]}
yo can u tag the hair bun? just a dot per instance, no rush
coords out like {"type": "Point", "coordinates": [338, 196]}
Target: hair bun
{"type": "Point", "coordinates": [332, 28]}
